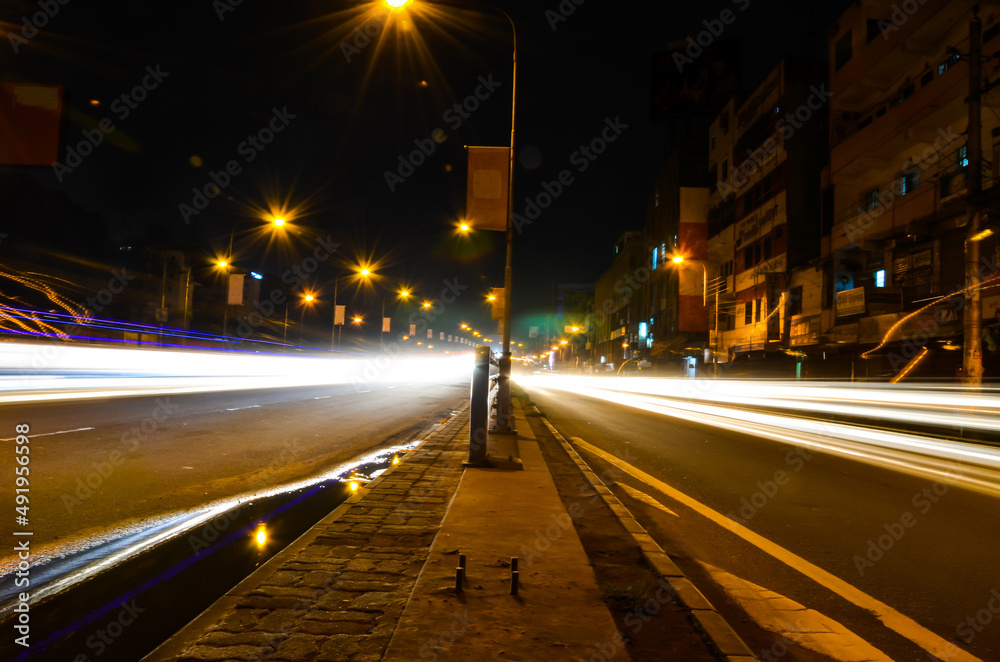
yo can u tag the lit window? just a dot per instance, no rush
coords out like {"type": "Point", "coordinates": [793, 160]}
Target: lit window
{"type": "Point", "coordinates": [656, 249]}
{"type": "Point", "coordinates": [880, 278]}
{"type": "Point", "coordinates": [962, 157]}
{"type": "Point", "coordinates": [907, 183]}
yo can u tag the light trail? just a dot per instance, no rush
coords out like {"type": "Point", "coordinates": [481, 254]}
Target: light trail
{"type": "Point", "coordinates": [951, 408]}
{"type": "Point", "coordinates": [966, 465]}
{"type": "Point", "coordinates": [45, 372]}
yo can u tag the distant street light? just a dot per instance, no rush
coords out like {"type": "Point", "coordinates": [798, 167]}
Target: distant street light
{"type": "Point", "coordinates": [680, 259]}
{"type": "Point", "coordinates": [275, 222]}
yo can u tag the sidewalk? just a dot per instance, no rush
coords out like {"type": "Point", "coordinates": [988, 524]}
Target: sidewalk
{"type": "Point", "coordinates": [375, 579]}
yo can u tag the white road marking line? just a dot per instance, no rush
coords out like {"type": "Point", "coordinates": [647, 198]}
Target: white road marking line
{"type": "Point", "coordinates": [794, 622]}
{"type": "Point", "coordinates": [322, 397]}
{"type": "Point", "coordinates": [241, 408]}
{"type": "Point", "coordinates": [365, 391]}
{"type": "Point", "coordinates": [639, 495]}
{"type": "Point", "coordinates": [893, 619]}
{"type": "Point", "coordinates": [49, 434]}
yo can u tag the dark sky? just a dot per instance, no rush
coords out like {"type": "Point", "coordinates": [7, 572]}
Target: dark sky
{"type": "Point", "coordinates": [359, 106]}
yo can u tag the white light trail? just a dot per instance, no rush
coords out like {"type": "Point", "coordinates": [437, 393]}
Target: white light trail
{"type": "Point", "coordinates": [44, 372]}
{"type": "Point", "coordinates": [971, 466]}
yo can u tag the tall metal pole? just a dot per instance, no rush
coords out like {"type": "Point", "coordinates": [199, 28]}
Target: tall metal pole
{"type": "Point", "coordinates": [333, 334]}
{"type": "Point", "coordinates": [504, 408]}
{"type": "Point", "coordinates": [972, 363]}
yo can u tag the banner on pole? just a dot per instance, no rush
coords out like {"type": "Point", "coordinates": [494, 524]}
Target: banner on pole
{"type": "Point", "coordinates": [235, 297]}
{"type": "Point", "coordinates": [486, 190]}
{"type": "Point", "coordinates": [339, 312]}
{"type": "Point", "coordinates": [385, 324]}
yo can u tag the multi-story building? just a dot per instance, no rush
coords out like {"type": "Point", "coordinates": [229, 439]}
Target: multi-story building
{"type": "Point", "coordinates": [615, 322]}
{"type": "Point", "coordinates": [899, 90]}
{"type": "Point", "coordinates": [767, 154]}
{"type": "Point", "coordinates": [675, 321]}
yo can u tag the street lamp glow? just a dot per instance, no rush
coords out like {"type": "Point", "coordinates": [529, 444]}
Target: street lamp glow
{"type": "Point", "coordinates": [278, 222]}
{"type": "Point", "coordinates": [365, 271]}
{"type": "Point", "coordinates": [396, 4]}
{"type": "Point", "coordinates": [677, 259]}
{"type": "Point", "coordinates": [308, 297]}
{"type": "Point", "coordinates": [427, 304]}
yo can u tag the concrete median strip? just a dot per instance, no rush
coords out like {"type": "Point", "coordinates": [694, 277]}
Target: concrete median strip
{"type": "Point", "coordinates": [722, 640]}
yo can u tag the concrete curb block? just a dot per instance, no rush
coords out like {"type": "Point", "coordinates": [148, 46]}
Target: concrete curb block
{"type": "Point", "coordinates": [722, 640]}
{"type": "Point", "coordinates": [226, 603]}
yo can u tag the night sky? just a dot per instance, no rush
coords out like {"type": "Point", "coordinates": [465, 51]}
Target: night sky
{"type": "Point", "coordinates": [350, 104]}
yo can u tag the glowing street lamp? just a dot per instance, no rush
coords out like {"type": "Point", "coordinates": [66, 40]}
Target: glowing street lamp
{"type": "Point", "coordinates": [503, 396]}
{"type": "Point", "coordinates": [680, 259]}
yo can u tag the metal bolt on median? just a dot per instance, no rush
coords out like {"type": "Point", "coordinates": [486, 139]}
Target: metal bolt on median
{"type": "Point", "coordinates": [460, 573]}
{"type": "Point", "coordinates": [514, 575]}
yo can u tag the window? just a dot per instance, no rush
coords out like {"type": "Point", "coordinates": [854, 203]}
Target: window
{"type": "Point", "coordinates": [748, 257]}
{"type": "Point", "coordinates": [760, 308]}
{"type": "Point", "coordinates": [870, 200]}
{"type": "Point", "coordinates": [795, 305]}
{"type": "Point", "coordinates": [725, 170]}
{"type": "Point", "coordinates": [949, 62]}
{"type": "Point", "coordinates": [927, 77]}
{"type": "Point", "coordinates": [656, 250]}
{"type": "Point", "coordinates": [766, 248]}
{"type": "Point", "coordinates": [842, 51]}
{"type": "Point", "coordinates": [908, 182]}
{"type": "Point", "coordinates": [905, 92]}
{"type": "Point", "coordinates": [748, 313]}
{"type": "Point", "coordinates": [880, 278]}
{"type": "Point", "coordinates": [962, 157]}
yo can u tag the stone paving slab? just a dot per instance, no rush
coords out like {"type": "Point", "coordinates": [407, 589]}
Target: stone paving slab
{"type": "Point", "coordinates": [336, 593]}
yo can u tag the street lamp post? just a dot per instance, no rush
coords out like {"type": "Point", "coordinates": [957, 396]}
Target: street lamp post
{"type": "Point", "coordinates": [503, 395]}
{"type": "Point", "coordinates": [704, 302]}
{"type": "Point", "coordinates": [276, 222]}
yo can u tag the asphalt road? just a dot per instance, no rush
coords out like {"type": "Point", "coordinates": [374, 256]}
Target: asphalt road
{"type": "Point", "coordinates": [938, 567]}
{"type": "Point", "coordinates": [141, 457]}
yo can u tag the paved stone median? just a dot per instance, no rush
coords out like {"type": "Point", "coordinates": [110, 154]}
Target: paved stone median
{"type": "Point", "coordinates": [338, 592]}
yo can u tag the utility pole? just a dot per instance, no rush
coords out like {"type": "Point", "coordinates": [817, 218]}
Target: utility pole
{"type": "Point", "coordinates": [972, 360]}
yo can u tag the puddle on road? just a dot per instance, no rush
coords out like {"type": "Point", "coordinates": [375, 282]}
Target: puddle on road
{"type": "Point", "coordinates": [124, 609]}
